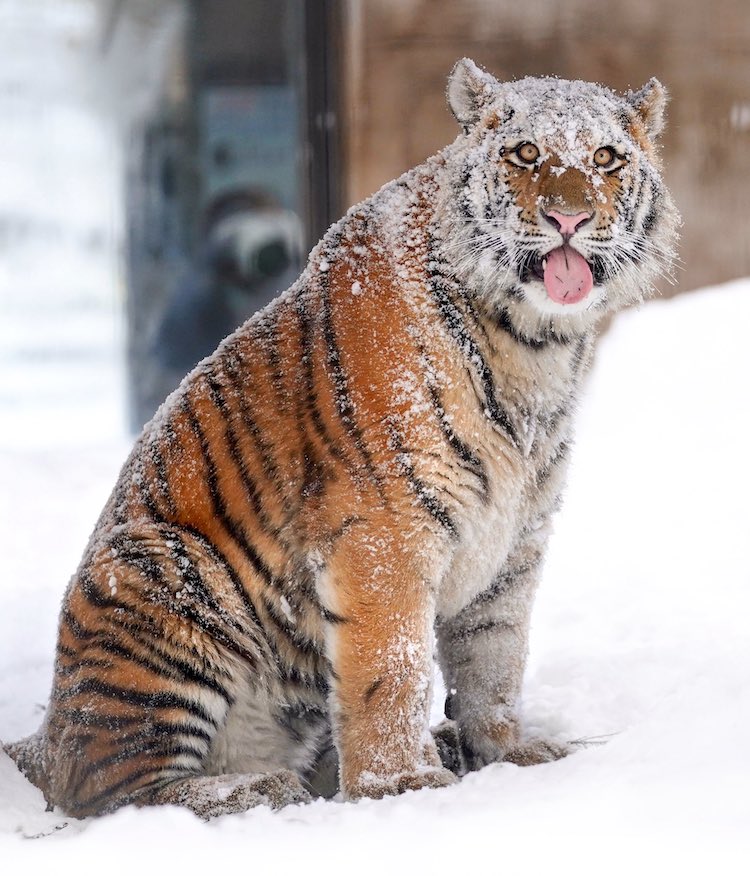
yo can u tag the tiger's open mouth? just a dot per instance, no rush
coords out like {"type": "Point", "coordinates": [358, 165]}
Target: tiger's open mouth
{"type": "Point", "coordinates": [567, 276]}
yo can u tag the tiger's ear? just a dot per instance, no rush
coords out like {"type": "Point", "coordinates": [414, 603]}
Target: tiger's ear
{"type": "Point", "coordinates": [470, 90]}
{"type": "Point", "coordinates": [650, 102]}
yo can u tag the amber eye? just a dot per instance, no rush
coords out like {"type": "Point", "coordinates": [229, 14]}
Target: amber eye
{"type": "Point", "coordinates": [604, 156]}
{"type": "Point", "coordinates": [527, 152]}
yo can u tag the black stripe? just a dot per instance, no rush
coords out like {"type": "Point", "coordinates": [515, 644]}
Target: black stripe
{"type": "Point", "coordinates": [372, 690]}
{"type": "Point", "coordinates": [504, 581]}
{"type": "Point", "coordinates": [162, 478]}
{"type": "Point", "coordinates": [631, 216]}
{"type": "Point", "coordinates": [330, 616]}
{"type": "Point", "coordinates": [117, 723]}
{"type": "Point", "coordinates": [271, 347]}
{"type": "Point", "coordinates": [237, 457]}
{"type": "Point", "coordinates": [141, 699]}
{"type": "Point", "coordinates": [87, 718]}
{"type": "Point", "coordinates": [649, 220]}
{"type": "Point", "coordinates": [578, 356]}
{"type": "Point", "coordinates": [467, 345]}
{"type": "Point", "coordinates": [78, 632]}
{"type": "Point", "coordinates": [131, 551]}
{"type": "Point", "coordinates": [484, 627]}
{"type": "Point", "coordinates": [178, 729]}
{"type": "Point", "coordinates": [64, 651]}
{"type": "Point", "coordinates": [292, 634]}
{"type": "Point", "coordinates": [262, 446]}
{"type": "Point", "coordinates": [127, 613]}
{"type": "Point", "coordinates": [463, 193]}
{"type": "Point", "coordinates": [308, 400]}
{"type": "Point", "coordinates": [310, 681]}
{"type": "Point", "coordinates": [119, 496]}
{"type": "Point", "coordinates": [147, 497]}
{"type": "Point", "coordinates": [136, 749]}
{"type": "Point", "coordinates": [235, 529]}
{"type": "Point", "coordinates": [502, 319]}
{"type": "Point", "coordinates": [467, 456]}
{"type": "Point", "coordinates": [94, 802]}
{"type": "Point", "coordinates": [544, 473]}
{"type": "Point", "coordinates": [314, 473]}
{"type": "Point", "coordinates": [128, 553]}
{"type": "Point", "coordinates": [171, 667]}
{"type": "Point", "coordinates": [425, 495]}
{"type": "Point", "coordinates": [85, 663]}
{"type": "Point", "coordinates": [342, 396]}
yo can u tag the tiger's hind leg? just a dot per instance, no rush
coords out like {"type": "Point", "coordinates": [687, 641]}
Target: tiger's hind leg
{"type": "Point", "coordinates": [155, 755]}
{"type": "Point", "coordinates": [146, 678]}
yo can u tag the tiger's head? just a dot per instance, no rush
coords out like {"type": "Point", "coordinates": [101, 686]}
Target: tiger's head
{"type": "Point", "coordinates": [557, 202]}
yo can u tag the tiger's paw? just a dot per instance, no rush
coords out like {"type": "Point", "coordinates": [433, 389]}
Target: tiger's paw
{"type": "Point", "coordinates": [377, 787]}
{"type": "Point", "coordinates": [211, 796]}
{"type": "Point", "coordinates": [521, 752]}
{"type": "Point", "coordinates": [449, 748]}
{"type": "Point", "coordinates": [530, 752]}
{"type": "Point", "coordinates": [461, 753]}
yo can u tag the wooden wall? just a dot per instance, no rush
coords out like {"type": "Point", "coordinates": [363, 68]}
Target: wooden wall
{"type": "Point", "coordinates": [399, 53]}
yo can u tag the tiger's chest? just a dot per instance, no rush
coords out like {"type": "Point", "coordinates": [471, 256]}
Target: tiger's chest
{"type": "Point", "coordinates": [524, 464]}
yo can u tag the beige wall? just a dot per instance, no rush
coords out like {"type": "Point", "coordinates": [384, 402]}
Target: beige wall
{"type": "Point", "coordinates": [399, 53]}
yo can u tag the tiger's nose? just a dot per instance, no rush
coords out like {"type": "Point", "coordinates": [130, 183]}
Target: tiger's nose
{"type": "Point", "coordinates": [566, 223]}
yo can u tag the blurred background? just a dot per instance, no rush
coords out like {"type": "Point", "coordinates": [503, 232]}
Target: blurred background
{"type": "Point", "coordinates": [165, 165]}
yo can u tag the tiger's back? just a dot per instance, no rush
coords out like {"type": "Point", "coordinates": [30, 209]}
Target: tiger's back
{"type": "Point", "coordinates": [371, 461]}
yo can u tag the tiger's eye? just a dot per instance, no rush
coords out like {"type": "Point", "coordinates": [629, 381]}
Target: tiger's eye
{"type": "Point", "coordinates": [527, 152]}
{"type": "Point", "coordinates": [603, 156]}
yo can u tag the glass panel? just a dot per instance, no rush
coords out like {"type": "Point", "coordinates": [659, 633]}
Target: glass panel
{"type": "Point", "coordinates": [217, 194]}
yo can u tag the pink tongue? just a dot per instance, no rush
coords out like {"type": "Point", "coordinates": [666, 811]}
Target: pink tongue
{"type": "Point", "coordinates": [567, 276]}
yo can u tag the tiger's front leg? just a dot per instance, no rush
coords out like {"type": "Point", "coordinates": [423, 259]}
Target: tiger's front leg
{"type": "Point", "coordinates": [483, 657]}
{"type": "Point", "coordinates": [382, 585]}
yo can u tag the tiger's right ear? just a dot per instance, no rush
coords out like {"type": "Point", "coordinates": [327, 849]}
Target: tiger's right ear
{"type": "Point", "coordinates": [470, 90]}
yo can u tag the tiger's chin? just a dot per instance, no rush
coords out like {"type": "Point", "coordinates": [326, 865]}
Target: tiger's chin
{"type": "Point", "coordinates": [535, 293]}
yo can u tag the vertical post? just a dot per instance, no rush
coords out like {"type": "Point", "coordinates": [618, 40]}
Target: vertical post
{"type": "Point", "coordinates": [323, 68]}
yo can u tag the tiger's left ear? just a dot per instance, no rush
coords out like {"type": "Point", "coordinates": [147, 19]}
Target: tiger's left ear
{"type": "Point", "coordinates": [650, 102]}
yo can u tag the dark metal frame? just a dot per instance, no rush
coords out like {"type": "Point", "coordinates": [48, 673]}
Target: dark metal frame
{"type": "Point", "coordinates": [323, 68]}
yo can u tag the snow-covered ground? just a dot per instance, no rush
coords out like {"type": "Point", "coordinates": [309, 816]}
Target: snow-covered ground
{"type": "Point", "coordinates": [640, 635]}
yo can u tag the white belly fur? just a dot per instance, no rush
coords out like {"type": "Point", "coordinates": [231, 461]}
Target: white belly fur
{"type": "Point", "coordinates": [487, 535]}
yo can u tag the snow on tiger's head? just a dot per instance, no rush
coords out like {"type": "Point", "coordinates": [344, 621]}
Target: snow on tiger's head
{"type": "Point", "coordinates": [558, 202]}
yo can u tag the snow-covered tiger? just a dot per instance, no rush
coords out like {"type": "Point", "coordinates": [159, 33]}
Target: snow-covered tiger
{"type": "Point", "coordinates": [364, 470]}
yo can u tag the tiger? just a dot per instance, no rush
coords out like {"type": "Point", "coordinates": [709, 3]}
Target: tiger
{"type": "Point", "coordinates": [361, 481]}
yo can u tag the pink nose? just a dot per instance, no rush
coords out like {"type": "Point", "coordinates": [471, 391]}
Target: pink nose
{"type": "Point", "coordinates": [565, 223]}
